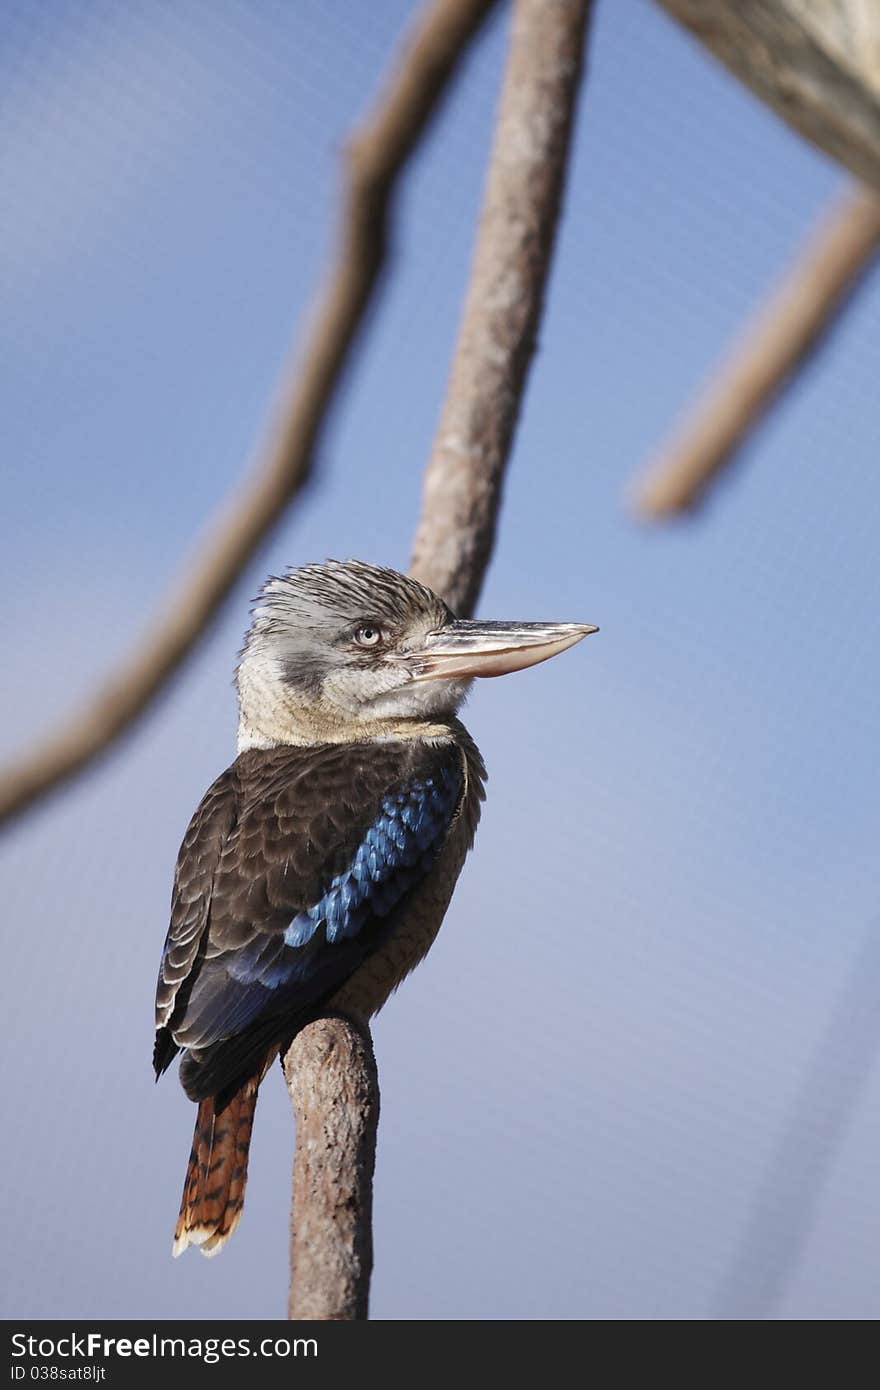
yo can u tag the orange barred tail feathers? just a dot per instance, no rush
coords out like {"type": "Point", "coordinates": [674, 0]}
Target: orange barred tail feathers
{"type": "Point", "coordinates": [216, 1175]}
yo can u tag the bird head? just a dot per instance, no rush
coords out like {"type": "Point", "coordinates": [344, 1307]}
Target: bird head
{"type": "Point", "coordinates": [345, 650]}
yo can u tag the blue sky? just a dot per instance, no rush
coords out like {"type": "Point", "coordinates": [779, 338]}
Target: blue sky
{"type": "Point", "coordinates": [588, 1087]}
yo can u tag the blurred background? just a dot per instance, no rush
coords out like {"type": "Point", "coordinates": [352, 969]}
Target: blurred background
{"type": "Point", "coordinates": [636, 1078]}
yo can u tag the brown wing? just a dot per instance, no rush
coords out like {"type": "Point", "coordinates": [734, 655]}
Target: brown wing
{"type": "Point", "coordinates": [321, 845]}
{"type": "Point", "coordinates": [194, 873]}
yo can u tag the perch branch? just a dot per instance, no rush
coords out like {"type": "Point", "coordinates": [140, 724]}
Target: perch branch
{"type": "Point", "coordinates": [465, 473]}
{"type": "Point", "coordinates": [786, 330]}
{"type": "Point", "coordinates": [376, 156]}
{"type": "Point", "coordinates": [331, 1075]}
{"type": "Point", "coordinates": [329, 1066]}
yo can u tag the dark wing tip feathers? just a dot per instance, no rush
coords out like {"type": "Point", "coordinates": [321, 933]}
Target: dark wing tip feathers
{"type": "Point", "coordinates": [165, 1049]}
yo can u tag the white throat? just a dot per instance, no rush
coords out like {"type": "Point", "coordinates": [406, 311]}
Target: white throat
{"type": "Point", "coordinates": [271, 715]}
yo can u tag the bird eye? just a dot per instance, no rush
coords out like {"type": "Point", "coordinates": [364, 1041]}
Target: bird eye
{"type": "Point", "coordinates": [367, 635]}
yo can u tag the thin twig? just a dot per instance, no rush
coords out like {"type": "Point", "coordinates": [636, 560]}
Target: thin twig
{"type": "Point", "coordinates": [464, 477]}
{"type": "Point", "coordinates": [376, 157]}
{"type": "Point", "coordinates": [789, 327]}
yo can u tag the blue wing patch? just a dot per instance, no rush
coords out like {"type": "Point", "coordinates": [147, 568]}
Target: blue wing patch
{"type": "Point", "coordinates": [397, 850]}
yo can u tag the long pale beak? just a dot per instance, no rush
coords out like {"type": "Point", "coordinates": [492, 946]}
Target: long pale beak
{"type": "Point", "coordinates": [464, 648]}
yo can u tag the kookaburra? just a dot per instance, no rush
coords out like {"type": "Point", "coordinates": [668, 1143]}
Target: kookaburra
{"type": "Point", "coordinates": [317, 869]}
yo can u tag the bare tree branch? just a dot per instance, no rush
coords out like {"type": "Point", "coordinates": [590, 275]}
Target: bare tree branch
{"type": "Point", "coordinates": [463, 481]}
{"type": "Point", "coordinates": [376, 156]}
{"type": "Point", "coordinates": [333, 1080]}
{"type": "Point", "coordinates": [789, 327]}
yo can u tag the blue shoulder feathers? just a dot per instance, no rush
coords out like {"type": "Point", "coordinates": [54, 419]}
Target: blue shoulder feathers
{"type": "Point", "coordinates": [396, 851]}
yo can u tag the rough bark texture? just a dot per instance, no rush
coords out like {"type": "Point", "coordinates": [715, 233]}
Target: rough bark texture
{"type": "Point", "coordinates": [816, 62]}
{"type": "Point", "coordinates": [790, 326]}
{"type": "Point", "coordinates": [376, 156]}
{"type": "Point", "coordinates": [333, 1084]}
{"type": "Point", "coordinates": [463, 482]}
{"type": "Point", "coordinates": [331, 1073]}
